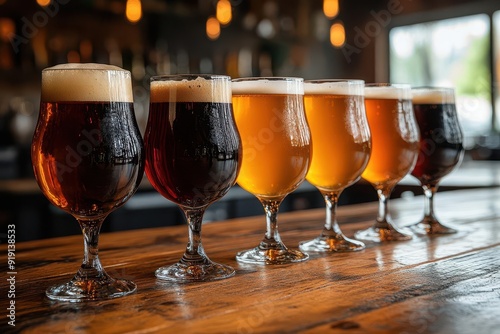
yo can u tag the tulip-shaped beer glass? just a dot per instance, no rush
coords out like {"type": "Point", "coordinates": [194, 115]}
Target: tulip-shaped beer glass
{"type": "Point", "coordinates": [340, 136]}
{"type": "Point", "coordinates": [192, 159]}
{"type": "Point", "coordinates": [269, 113]}
{"type": "Point", "coordinates": [87, 156]}
{"type": "Point", "coordinates": [441, 148]}
{"type": "Point", "coordinates": [395, 142]}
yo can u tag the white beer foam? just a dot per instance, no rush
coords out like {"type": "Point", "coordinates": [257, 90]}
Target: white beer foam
{"type": "Point", "coordinates": [394, 92]}
{"type": "Point", "coordinates": [197, 90]}
{"type": "Point", "coordinates": [268, 86]}
{"type": "Point", "coordinates": [86, 82]}
{"type": "Point", "coordinates": [355, 87]}
{"type": "Point", "coordinates": [433, 96]}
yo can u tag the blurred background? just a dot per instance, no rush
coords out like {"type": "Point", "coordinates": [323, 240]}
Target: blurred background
{"type": "Point", "coordinates": [422, 42]}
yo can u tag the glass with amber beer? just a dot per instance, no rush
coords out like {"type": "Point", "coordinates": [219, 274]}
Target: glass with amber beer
{"type": "Point", "coordinates": [87, 155]}
{"type": "Point", "coordinates": [270, 117]}
{"type": "Point", "coordinates": [441, 148]}
{"type": "Point", "coordinates": [395, 143]}
{"type": "Point", "coordinates": [193, 155]}
{"type": "Point", "coordinates": [340, 135]}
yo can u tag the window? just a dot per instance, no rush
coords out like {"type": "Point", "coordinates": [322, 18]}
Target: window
{"type": "Point", "coordinates": [450, 53]}
{"type": "Point", "coordinates": [496, 64]}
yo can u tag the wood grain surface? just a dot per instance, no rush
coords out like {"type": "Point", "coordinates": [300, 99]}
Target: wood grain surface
{"type": "Point", "coordinates": [445, 284]}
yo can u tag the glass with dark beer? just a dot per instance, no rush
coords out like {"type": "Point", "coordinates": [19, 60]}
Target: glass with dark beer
{"type": "Point", "coordinates": [270, 117]}
{"type": "Point", "coordinates": [87, 155]}
{"type": "Point", "coordinates": [193, 155]}
{"type": "Point", "coordinates": [340, 136]}
{"type": "Point", "coordinates": [441, 148]}
{"type": "Point", "coordinates": [395, 143]}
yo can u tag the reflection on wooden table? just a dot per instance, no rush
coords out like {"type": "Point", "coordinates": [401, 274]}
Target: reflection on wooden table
{"type": "Point", "coordinates": [446, 284]}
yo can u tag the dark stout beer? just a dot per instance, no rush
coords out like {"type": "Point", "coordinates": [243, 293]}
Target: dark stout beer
{"type": "Point", "coordinates": [192, 152]}
{"type": "Point", "coordinates": [441, 147]}
{"type": "Point", "coordinates": [192, 145]}
{"type": "Point", "coordinates": [86, 154]}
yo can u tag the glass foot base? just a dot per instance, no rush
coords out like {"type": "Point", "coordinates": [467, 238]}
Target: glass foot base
{"type": "Point", "coordinates": [258, 255]}
{"type": "Point", "coordinates": [376, 234]}
{"type": "Point", "coordinates": [337, 243]}
{"type": "Point", "coordinates": [91, 290]}
{"type": "Point", "coordinates": [185, 273]}
{"type": "Point", "coordinates": [426, 227]}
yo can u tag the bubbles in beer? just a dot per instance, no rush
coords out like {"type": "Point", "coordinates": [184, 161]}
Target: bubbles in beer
{"type": "Point", "coordinates": [197, 90]}
{"type": "Point", "coordinates": [265, 86]}
{"type": "Point", "coordinates": [433, 96]}
{"type": "Point", "coordinates": [392, 92]}
{"type": "Point", "coordinates": [86, 82]}
{"type": "Point", "coordinates": [353, 87]}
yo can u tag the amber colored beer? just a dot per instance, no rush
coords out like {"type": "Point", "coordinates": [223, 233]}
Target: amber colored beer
{"type": "Point", "coordinates": [395, 139]}
{"type": "Point", "coordinates": [87, 149]}
{"type": "Point", "coordinates": [87, 155]}
{"type": "Point", "coordinates": [275, 137]}
{"type": "Point", "coordinates": [340, 137]}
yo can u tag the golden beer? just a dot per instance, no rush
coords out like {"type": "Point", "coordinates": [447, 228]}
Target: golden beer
{"type": "Point", "coordinates": [276, 155]}
{"type": "Point", "coordinates": [395, 145]}
{"type": "Point", "coordinates": [276, 143]}
{"type": "Point", "coordinates": [340, 137]}
{"type": "Point", "coordinates": [341, 148]}
{"type": "Point", "coordinates": [395, 140]}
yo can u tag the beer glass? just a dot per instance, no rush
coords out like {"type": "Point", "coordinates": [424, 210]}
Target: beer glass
{"type": "Point", "coordinates": [192, 159]}
{"type": "Point", "coordinates": [269, 114]}
{"type": "Point", "coordinates": [441, 148]}
{"type": "Point", "coordinates": [340, 135]}
{"type": "Point", "coordinates": [87, 155]}
{"type": "Point", "coordinates": [395, 142]}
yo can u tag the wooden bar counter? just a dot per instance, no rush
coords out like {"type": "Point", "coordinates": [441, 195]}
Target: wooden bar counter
{"type": "Point", "coordinates": [445, 284]}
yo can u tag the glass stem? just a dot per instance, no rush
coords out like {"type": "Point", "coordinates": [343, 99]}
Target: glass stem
{"type": "Point", "coordinates": [272, 239]}
{"type": "Point", "coordinates": [91, 267]}
{"type": "Point", "coordinates": [331, 225]}
{"type": "Point", "coordinates": [194, 254]}
{"type": "Point", "coordinates": [383, 208]}
{"type": "Point", "coordinates": [429, 191]}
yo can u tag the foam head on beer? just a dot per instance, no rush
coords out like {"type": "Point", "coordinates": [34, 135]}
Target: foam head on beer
{"type": "Point", "coordinates": [214, 89]}
{"type": "Point", "coordinates": [433, 95]}
{"type": "Point", "coordinates": [334, 87]}
{"type": "Point", "coordinates": [86, 83]}
{"type": "Point", "coordinates": [269, 86]}
{"type": "Point", "coordinates": [389, 92]}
